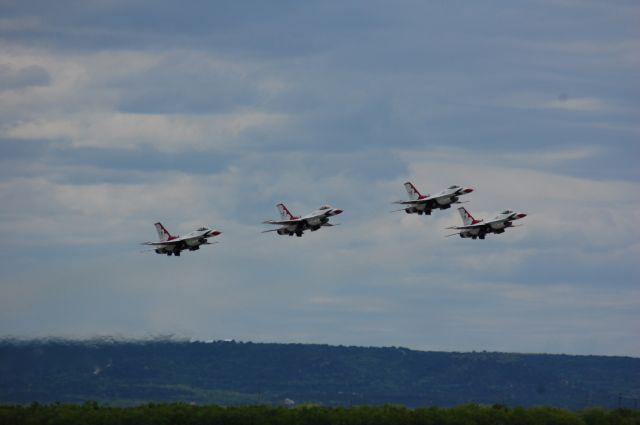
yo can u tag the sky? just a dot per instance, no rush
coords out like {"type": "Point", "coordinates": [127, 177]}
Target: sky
{"type": "Point", "coordinates": [117, 114]}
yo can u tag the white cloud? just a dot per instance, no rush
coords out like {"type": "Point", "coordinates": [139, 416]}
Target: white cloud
{"type": "Point", "coordinates": [49, 213]}
{"type": "Point", "coordinates": [164, 132]}
{"type": "Point", "coordinates": [80, 106]}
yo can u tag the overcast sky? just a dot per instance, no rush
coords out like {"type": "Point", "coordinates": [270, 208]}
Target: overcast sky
{"type": "Point", "coordinates": [116, 114]}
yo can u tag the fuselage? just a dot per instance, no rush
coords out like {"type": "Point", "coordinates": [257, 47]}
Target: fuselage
{"type": "Point", "coordinates": [496, 225]}
{"type": "Point", "coordinates": [424, 204]}
{"type": "Point", "coordinates": [312, 221]}
{"type": "Point", "coordinates": [190, 241]}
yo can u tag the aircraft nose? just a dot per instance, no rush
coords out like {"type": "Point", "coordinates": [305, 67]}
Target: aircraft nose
{"type": "Point", "coordinates": [521, 215]}
{"type": "Point", "coordinates": [337, 211]}
{"type": "Point", "coordinates": [468, 190]}
{"type": "Point", "coordinates": [214, 233]}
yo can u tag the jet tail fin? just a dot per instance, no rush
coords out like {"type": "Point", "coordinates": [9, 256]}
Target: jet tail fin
{"type": "Point", "coordinates": [163, 234]}
{"type": "Point", "coordinates": [412, 191]}
{"type": "Point", "coordinates": [467, 218]}
{"type": "Point", "coordinates": [285, 214]}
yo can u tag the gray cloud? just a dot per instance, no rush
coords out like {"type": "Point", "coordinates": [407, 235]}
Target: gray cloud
{"type": "Point", "coordinates": [32, 75]}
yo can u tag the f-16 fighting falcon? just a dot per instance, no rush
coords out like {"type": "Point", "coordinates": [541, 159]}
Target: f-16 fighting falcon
{"type": "Point", "coordinates": [424, 204]}
{"type": "Point", "coordinates": [292, 225]}
{"type": "Point", "coordinates": [479, 228]}
{"type": "Point", "coordinates": [170, 244]}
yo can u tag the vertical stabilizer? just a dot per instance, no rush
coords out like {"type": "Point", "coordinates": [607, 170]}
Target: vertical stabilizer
{"type": "Point", "coordinates": [414, 194]}
{"type": "Point", "coordinates": [285, 214]}
{"type": "Point", "coordinates": [163, 234]}
{"type": "Point", "coordinates": [467, 218]}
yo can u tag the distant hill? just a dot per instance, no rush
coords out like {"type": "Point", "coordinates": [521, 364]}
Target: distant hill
{"type": "Point", "coordinates": [126, 373]}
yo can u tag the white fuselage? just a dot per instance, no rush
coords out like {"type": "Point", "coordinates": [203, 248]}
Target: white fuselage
{"type": "Point", "coordinates": [446, 197]}
{"type": "Point", "coordinates": [424, 204]}
{"type": "Point", "coordinates": [312, 221]}
{"type": "Point", "coordinates": [498, 224]}
{"type": "Point", "coordinates": [190, 241]}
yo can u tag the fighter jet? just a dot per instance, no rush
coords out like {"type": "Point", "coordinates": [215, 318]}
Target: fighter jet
{"type": "Point", "coordinates": [424, 204]}
{"type": "Point", "coordinates": [170, 244]}
{"type": "Point", "coordinates": [479, 228]}
{"type": "Point", "coordinates": [292, 225]}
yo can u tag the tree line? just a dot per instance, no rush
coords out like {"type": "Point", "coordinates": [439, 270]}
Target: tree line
{"type": "Point", "coordinates": [91, 413]}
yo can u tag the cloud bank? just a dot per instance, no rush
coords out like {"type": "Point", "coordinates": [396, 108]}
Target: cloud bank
{"type": "Point", "coordinates": [115, 115]}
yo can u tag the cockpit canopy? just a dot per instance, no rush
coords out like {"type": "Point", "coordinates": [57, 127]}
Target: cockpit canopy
{"type": "Point", "coordinates": [507, 212]}
{"type": "Point", "coordinates": [454, 187]}
{"type": "Point", "coordinates": [325, 207]}
{"type": "Point", "coordinates": [202, 229]}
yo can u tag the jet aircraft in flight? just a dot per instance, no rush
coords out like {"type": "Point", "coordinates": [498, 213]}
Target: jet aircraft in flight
{"type": "Point", "coordinates": [173, 245]}
{"type": "Point", "coordinates": [473, 228]}
{"type": "Point", "coordinates": [424, 204]}
{"type": "Point", "coordinates": [292, 225]}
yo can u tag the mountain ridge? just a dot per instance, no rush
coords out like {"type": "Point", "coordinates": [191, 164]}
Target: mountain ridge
{"type": "Point", "coordinates": [232, 372]}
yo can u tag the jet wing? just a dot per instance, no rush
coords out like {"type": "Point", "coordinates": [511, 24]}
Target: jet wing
{"type": "Point", "coordinates": [175, 241]}
{"type": "Point", "coordinates": [312, 216]}
{"type": "Point", "coordinates": [461, 229]}
{"type": "Point", "coordinates": [284, 222]}
{"type": "Point", "coordinates": [500, 220]}
{"type": "Point", "coordinates": [486, 224]}
{"type": "Point", "coordinates": [471, 226]}
{"type": "Point", "coordinates": [481, 224]}
{"type": "Point", "coordinates": [428, 202]}
{"type": "Point", "coordinates": [416, 202]}
{"type": "Point", "coordinates": [171, 242]}
{"type": "Point", "coordinates": [444, 195]}
{"type": "Point", "coordinates": [430, 199]}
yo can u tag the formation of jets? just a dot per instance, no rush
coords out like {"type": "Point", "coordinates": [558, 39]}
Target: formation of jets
{"type": "Point", "coordinates": [296, 225]}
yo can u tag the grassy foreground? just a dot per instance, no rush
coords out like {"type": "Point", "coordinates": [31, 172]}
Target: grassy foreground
{"type": "Point", "coordinates": [180, 413]}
